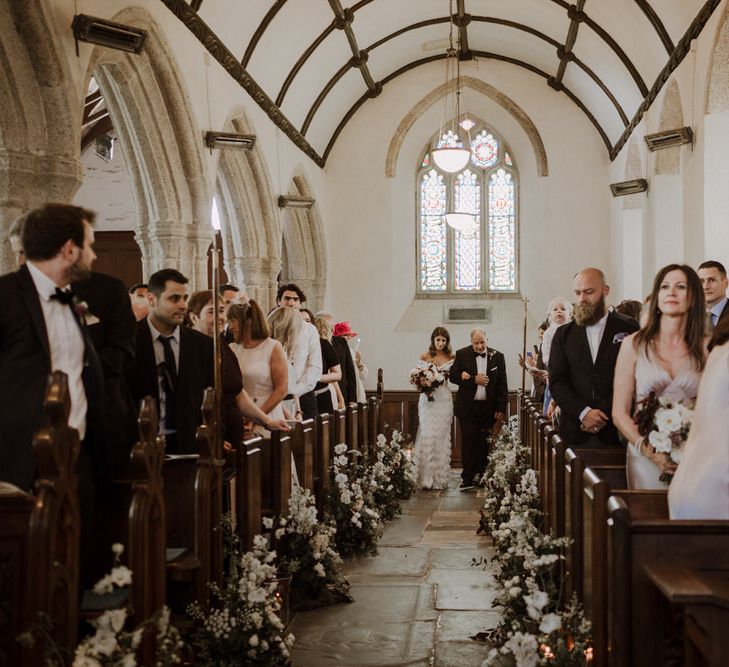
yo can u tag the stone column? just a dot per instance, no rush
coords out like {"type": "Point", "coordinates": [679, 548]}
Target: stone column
{"type": "Point", "coordinates": [257, 277]}
{"type": "Point", "coordinates": [177, 246]}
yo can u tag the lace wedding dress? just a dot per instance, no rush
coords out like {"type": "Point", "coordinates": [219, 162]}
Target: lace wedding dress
{"type": "Point", "coordinates": [433, 441]}
{"type": "Point", "coordinates": [651, 377]}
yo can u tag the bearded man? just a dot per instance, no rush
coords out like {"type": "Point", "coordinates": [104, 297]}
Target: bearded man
{"type": "Point", "coordinates": [582, 364]}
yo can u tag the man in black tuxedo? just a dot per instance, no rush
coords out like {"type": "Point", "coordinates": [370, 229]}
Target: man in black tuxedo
{"type": "Point", "coordinates": [481, 401]}
{"type": "Point", "coordinates": [715, 283]}
{"type": "Point", "coordinates": [43, 327]}
{"type": "Point", "coordinates": [174, 364]}
{"type": "Point", "coordinates": [582, 364]}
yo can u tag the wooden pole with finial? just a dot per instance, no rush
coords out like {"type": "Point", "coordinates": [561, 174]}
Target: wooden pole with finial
{"type": "Point", "coordinates": [525, 301]}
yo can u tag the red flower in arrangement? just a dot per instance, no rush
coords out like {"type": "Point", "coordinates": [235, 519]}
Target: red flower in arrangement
{"type": "Point", "coordinates": [426, 378]}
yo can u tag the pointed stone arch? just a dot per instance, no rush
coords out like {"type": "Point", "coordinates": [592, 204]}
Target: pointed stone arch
{"type": "Point", "coordinates": [250, 220]}
{"type": "Point", "coordinates": [162, 145]}
{"type": "Point", "coordinates": [304, 247]}
{"type": "Point", "coordinates": [39, 115]}
{"type": "Point", "coordinates": [521, 117]}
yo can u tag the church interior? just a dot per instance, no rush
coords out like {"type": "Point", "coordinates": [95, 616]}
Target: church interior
{"type": "Point", "coordinates": [269, 143]}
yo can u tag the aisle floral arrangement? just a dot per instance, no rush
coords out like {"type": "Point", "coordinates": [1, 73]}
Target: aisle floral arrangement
{"type": "Point", "coordinates": [537, 626]}
{"type": "Point", "coordinates": [112, 645]}
{"type": "Point", "coordinates": [306, 550]}
{"type": "Point", "coordinates": [242, 625]}
{"type": "Point", "coordinates": [397, 456]}
{"type": "Point", "coordinates": [350, 504]}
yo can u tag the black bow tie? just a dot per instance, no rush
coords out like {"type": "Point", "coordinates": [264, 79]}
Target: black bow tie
{"type": "Point", "coordinates": [481, 354]}
{"type": "Point", "coordinates": [63, 296]}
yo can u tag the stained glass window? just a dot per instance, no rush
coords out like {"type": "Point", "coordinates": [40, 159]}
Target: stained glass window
{"type": "Point", "coordinates": [502, 264]}
{"type": "Point", "coordinates": [468, 244]}
{"type": "Point", "coordinates": [433, 255]}
{"type": "Point", "coordinates": [483, 259]}
{"type": "Point", "coordinates": [484, 150]}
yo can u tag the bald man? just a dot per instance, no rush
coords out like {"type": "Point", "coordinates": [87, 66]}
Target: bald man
{"type": "Point", "coordinates": [582, 363]}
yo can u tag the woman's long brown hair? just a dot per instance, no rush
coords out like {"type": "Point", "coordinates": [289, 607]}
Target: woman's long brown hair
{"type": "Point", "coordinates": [440, 331]}
{"type": "Point", "coordinates": [695, 326]}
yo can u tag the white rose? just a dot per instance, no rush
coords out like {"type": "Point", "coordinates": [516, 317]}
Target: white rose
{"type": "Point", "coordinates": [668, 421]}
{"type": "Point", "coordinates": [661, 442]}
{"type": "Point", "coordinates": [253, 641]}
{"type": "Point", "coordinates": [550, 623]}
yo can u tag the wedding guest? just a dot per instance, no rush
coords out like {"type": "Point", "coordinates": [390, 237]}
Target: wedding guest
{"type": "Point", "coordinates": [332, 371]}
{"type": "Point", "coordinates": [559, 312]}
{"type": "Point", "coordinates": [348, 383]}
{"type": "Point", "coordinates": [229, 294]}
{"type": "Point", "coordinates": [700, 487]}
{"type": "Point", "coordinates": [285, 325]}
{"type": "Point", "coordinates": [343, 330]}
{"type": "Point", "coordinates": [307, 316]}
{"type": "Point", "coordinates": [664, 359]}
{"type": "Point", "coordinates": [307, 362]}
{"type": "Point", "coordinates": [630, 308]}
{"type": "Point", "coordinates": [534, 365]}
{"type": "Point", "coordinates": [173, 363]}
{"type": "Point", "coordinates": [714, 282]}
{"type": "Point", "coordinates": [582, 360]}
{"type": "Point", "coordinates": [236, 403]}
{"type": "Point", "coordinates": [262, 363]}
{"type": "Point", "coordinates": [138, 298]}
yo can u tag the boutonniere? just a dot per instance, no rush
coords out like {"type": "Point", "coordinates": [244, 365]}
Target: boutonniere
{"type": "Point", "coordinates": [81, 308]}
{"type": "Point", "coordinates": [618, 337]}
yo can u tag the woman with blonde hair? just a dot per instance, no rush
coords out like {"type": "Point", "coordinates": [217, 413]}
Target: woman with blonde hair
{"type": "Point", "coordinates": [327, 390]}
{"type": "Point", "coordinates": [285, 326]}
{"type": "Point", "coordinates": [262, 359]}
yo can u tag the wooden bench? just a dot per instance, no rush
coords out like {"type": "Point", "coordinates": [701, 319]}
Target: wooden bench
{"type": "Point", "coordinates": [555, 480]}
{"type": "Point", "coordinates": [322, 460]}
{"type": "Point", "coordinates": [575, 461]}
{"type": "Point", "coordinates": [363, 433]}
{"type": "Point", "coordinates": [248, 496]}
{"type": "Point", "coordinates": [303, 443]}
{"type": "Point", "coordinates": [640, 535]}
{"type": "Point", "coordinates": [351, 433]}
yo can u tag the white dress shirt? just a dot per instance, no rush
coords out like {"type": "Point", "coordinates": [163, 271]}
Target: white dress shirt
{"type": "Point", "coordinates": [482, 366]}
{"type": "Point", "coordinates": [159, 357]}
{"type": "Point", "coordinates": [66, 345]}
{"type": "Point", "coordinates": [306, 365]}
{"type": "Point", "coordinates": [594, 336]}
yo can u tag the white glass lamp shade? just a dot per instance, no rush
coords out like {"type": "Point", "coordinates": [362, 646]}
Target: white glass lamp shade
{"type": "Point", "coordinates": [462, 222]}
{"type": "Point", "coordinates": [451, 159]}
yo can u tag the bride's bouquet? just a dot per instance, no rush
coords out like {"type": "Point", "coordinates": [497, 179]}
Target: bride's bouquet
{"type": "Point", "coordinates": [426, 378]}
{"type": "Point", "coordinates": [665, 423]}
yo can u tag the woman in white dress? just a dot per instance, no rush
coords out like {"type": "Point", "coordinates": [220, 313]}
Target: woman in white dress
{"type": "Point", "coordinates": [262, 360]}
{"type": "Point", "coordinates": [433, 440]}
{"type": "Point", "coordinates": [700, 488]}
{"type": "Point", "coordinates": [665, 358]}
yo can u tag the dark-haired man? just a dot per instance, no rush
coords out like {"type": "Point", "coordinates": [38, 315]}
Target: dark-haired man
{"type": "Point", "coordinates": [43, 328]}
{"type": "Point", "coordinates": [307, 363]}
{"type": "Point", "coordinates": [174, 364]}
{"type": "Point", "coordinates": [582, 363]}
{"type": "Point", "coordinates": [714, 281]}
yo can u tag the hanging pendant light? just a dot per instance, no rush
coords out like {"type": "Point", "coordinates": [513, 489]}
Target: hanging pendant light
{"type": "Point", "coordinates": [461, 222]}
{"type": "Point", "coordinates": [449, 154]}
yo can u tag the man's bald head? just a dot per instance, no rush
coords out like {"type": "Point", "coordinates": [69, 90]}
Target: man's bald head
{"type": "Point", "coordinates": [590, 288]}
{"type": "Point", "coordinates": [591, 273]}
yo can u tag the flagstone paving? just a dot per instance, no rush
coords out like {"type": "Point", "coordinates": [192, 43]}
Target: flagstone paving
{"type": "Point", "coordinates": [418, 601]}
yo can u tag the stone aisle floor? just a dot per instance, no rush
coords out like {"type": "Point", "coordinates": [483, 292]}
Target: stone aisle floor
{"type": "Point", "coordinates": [416, 602]}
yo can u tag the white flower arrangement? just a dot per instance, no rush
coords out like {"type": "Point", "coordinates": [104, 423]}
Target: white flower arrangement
{"type": "Point", "coordinates": [536, 629]}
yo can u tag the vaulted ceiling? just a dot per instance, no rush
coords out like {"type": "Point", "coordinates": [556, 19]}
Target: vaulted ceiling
{"type": "Point", "coordinates": [311, 64]}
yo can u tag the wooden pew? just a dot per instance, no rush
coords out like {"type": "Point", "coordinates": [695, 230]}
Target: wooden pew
{"type": "Point", "coordinates": [704, 599]}
{"type": "Point", "coordinates": [555, 463]}
{"type": "Point", "coordinates": [39, 539]}
{"type": "Point", "coordinates": [575, 461]}
{"type": "Point", "coordinates": [547, 431]}
{"type": "Point", "coordinates": [248, 490]}
{"type": "Point", "coordinates": [598, 484]}
{"type": "Point", "coordinates": [337, 424]}
{"type": "Point", "coordinates": [363, 433]}
{"type": "Point", "coordinates": [280, 472]}
{"type": "Point", "coordinates": [640, 535]}
{"type": "Point", "coordinates": [322, 459]}
{"type": "Point", "coordinates": [351, 436]}
{"type": "Point", "coordinates": [303, 437]}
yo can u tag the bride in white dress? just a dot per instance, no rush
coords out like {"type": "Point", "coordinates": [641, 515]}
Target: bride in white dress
{"type": "Point", "coordinates": [433, 441]}
{"type": "Point", "coordinates": [665, 357]}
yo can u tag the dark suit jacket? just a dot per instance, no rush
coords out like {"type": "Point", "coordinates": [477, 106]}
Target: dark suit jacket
{"type": "Point", "coordinates": [496, 390]}
{"type": "Point", "coordinates": [576, 382]}
{"type": "Point", "coordinates": [25, 365]}
{"type": "Point", "coordinates": [194, 375]}
{"type": "Point", "coordinates": [724, 313]}
{"type": "Point", "coordinates": [113, 339]}
{"type": "Point", "coordinates": [348, 383]}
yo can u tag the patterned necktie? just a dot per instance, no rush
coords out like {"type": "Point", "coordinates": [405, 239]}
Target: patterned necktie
{"type": "Point", "coordinates": [168, 372]}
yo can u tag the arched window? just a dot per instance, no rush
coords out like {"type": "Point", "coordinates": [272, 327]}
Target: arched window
{"type": "Point", "coordinates": [468, 262]}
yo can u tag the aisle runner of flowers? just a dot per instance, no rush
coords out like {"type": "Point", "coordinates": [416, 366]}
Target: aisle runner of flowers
{"type": "Point", "coordinates": [538, 627]}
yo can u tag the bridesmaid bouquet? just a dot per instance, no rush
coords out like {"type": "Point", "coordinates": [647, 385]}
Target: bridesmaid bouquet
{"type": "Point", "coordinates": [666, 424]}
{"type": "Point", "coordinates": [426, 378]}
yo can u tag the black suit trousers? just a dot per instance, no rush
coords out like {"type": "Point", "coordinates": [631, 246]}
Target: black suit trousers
{"type": "Point", "coordinates": [475, 431]}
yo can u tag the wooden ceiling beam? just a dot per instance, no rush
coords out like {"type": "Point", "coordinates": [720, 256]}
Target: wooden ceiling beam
{"type": "Point", "coordinates": [94, 117]}
{"type": "Point", "coordinates": [574, 14]}
{"type": "Point", "coordinates": [657, 24]}
{"type": "Point", "coordinates": [461, 20]}
{"type": "Point", "coordinates": [270, 15]}
{"type": "Point", "coordinates": [102, 127]}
